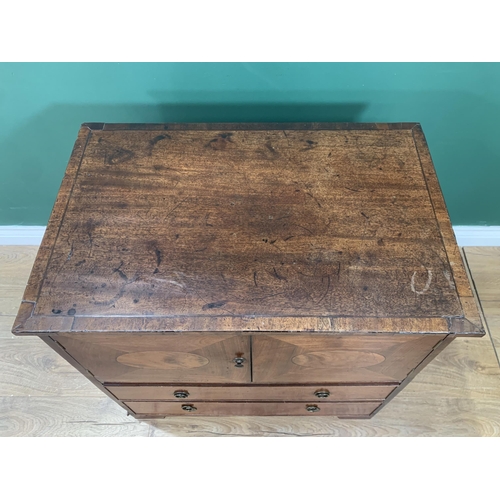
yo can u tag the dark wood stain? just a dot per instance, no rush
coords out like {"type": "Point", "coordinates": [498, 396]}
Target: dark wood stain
{"type": "Point", "coordinates": [119, 155]}
{"type": "Point", "coordinates": [201, 232]}
{"type": "Point", "coordinates": [247, 254]}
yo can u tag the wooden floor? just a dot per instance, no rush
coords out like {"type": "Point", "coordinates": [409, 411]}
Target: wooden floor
{"type": "Point", "coordinates": [458, 394]}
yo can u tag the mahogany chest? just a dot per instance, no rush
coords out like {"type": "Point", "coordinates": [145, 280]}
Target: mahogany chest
{"type": "Point", "coordinates": [249, 269]}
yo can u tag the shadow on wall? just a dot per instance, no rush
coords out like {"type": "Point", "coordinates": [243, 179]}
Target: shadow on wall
{"type": "Point", "coordinates": [458, 126]}
{"type": "Point", "coordinates": [34, 158]}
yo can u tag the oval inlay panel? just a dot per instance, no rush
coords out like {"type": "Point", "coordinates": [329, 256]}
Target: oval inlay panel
{"type": "Point", "coordinates": [162, 360]}
{"type": "Point", "coordinates": [338, 359]}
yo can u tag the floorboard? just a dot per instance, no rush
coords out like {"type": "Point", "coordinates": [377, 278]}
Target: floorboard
{"type": "Point", "coordinates": [457, 394]}
{"type": "Point", "coordinates": [484, 264]}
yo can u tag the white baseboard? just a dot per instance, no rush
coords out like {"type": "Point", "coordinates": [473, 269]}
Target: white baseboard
{"type": "Point", "coordinates": [467, 236]}
{"type": "Point", "coordinates": [21, 235]}
{"type": "Point", "coordinates": [477, 236]}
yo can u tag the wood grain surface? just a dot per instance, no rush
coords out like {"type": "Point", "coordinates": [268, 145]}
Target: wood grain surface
{"type": "Point", "coordinates": [6, 321]}
{"type": "Point", "coordinates": [294, 359]}
{"type": "Point", "coordinates": [492, 313]}
{"type": "Point", "coordinates": [458, 393]}
{"type": "Point", "coordinates": [160, 358]}
{"type": "Point", "coordinates": [23, 360]}
{"type": "Point", "coordinates": [483, 263]}
{"type": "Point", "coordinates": [305, 227]}
{"type": "Point", "coordinates": [207, 408]}
{"type": "Point", "coordinates": [56, 416]}
{"type": "Point", "coordinates": [15, 264]}
{"type": "Point", "coordinates": [249, 393]}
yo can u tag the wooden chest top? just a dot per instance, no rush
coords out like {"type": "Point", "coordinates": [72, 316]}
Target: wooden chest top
{"type": "Point", "coordinates": [249, 227]}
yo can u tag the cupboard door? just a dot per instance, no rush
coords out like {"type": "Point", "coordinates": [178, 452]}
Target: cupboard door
{"type": "Point", "coordinates": [161, 358]}
{"type": "Point", "coordinates": [349, 359]}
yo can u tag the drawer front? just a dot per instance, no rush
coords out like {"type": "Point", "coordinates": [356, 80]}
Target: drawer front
{"type": "Point", "coordinates": [195, 408]}
{"type": "Point", "coordinates": [249, 393]}
{"type": "Point", "coordinates": [348, 359]}
{"type": "Point", "coordinates": [161, 358]}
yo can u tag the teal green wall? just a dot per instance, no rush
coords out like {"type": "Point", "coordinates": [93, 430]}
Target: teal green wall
{"type": "Point", "coordinates": [42, 106]}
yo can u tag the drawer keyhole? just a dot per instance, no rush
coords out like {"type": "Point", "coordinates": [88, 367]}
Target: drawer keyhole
{"type": "Point", "coordinates": [238, 362]}
{"type": "Point", "coordinates": [181, 394]}
{"type": "Point", "coordinates": [322, 393]}
{"type": "Point", "coordinates": [189, 408]}
{"type": "Point", "coordinates": [312, 408]}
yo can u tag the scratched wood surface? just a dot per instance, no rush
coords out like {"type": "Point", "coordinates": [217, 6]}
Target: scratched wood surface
{"type": "Point", "coordinates": [458, 393]}
{"type": "Point", "coordinates": [300, 228]}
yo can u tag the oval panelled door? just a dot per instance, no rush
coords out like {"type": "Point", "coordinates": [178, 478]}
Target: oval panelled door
{"type": "Point", "coordinates": [161, 358]}
{"type": "Point", "coordinates": [337, 359]}
{"type": "Point", "coordinates": [366, 359]}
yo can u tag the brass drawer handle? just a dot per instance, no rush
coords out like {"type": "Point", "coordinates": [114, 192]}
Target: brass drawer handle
{"type": "Point", "coordinates": [181, 394]}
{"type": "Point", "coordinates": [322, 393]}
{"type": "Point", "coordinates": [312, 408]}
{"type": "Point", "coordinates": [238, 362]}
{"type": "Point", "coordinates": [189, 408]}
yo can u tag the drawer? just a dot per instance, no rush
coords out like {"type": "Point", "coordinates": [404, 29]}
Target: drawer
{"type": "Point", "coordinates": [249, 393]}
{"type": "Point", "coordinates": [137, 358]}
{"type": "Point", "coordinates": [345, 359]}
{"type": "Point", "coordinates": [164, 408]}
